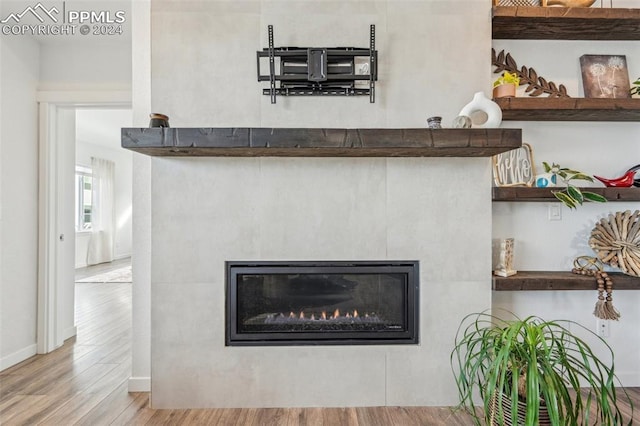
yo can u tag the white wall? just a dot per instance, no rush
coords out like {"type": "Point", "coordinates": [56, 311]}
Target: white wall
{"type": "Point", "coordinates": [85, 66]}
{"type": "Point", "coordinates": [335, 208]}
{"type": "Point", "coordinates": [19, 199]}
{"type": "Point", "coordinates": [140, 380]}
{"type": "Point", "coordinates": [602, 148]}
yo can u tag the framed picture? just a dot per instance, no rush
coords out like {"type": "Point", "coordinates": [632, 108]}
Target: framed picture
{"type": "Point", "coordinates": [515, 167]}
{"type": "Point", "coordinates": [605, 76]}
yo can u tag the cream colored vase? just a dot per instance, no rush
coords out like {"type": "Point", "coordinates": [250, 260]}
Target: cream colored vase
{"type": "Point", "coordinates": [480, 103]}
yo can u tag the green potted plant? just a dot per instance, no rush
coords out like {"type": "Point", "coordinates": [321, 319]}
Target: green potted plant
{"type": "Point", "coordinates": [506, 85]}
{"type": "Point", "coordinates": [571, 196]}
{"type": "Point", "coordinates": [533, 372]}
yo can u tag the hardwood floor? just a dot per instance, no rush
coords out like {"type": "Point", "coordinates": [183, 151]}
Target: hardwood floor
{"type": "Point", "coordinates": [88, 271]}
{"type": "Point", "coordinates": [85, 383]}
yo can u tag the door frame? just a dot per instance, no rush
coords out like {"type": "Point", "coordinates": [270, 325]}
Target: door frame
{"type": "Point", "coordinates": [49, 336]}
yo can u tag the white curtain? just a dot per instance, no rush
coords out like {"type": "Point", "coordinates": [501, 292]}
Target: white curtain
{"type": "Point", "coordinates": [103, 212]}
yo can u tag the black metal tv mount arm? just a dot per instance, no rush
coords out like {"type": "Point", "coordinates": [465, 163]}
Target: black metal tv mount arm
{"type": "Point", "coordinates": [312, 71]}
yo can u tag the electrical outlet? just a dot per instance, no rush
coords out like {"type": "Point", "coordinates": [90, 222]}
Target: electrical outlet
{"type": "Point", "coordinates": [555, 211]}
{"type": "Point", "coordinates": [602, 328]}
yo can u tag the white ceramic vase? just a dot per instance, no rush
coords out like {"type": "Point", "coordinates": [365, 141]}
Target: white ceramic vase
{"type": "Point", "coordinates": [480, 103]}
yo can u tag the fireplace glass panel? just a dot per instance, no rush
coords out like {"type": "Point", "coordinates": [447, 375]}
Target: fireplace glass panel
{"type": "Point", "coordinates": [322, 303]}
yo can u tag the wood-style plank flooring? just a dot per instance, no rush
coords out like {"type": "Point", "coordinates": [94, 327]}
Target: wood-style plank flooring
{"type": "Point", "coordinates": [101, 268]}
{"type": "Point", "coordinates": [85, 382]}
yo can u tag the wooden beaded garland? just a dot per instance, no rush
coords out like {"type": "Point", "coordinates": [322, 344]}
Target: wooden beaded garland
{"type": "Point", "coordinates": [592, 266]}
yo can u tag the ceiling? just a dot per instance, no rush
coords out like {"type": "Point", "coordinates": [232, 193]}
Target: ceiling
{"type": "Point", "coordinates": [100, 126]}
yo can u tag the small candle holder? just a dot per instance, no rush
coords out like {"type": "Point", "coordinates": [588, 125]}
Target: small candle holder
{"type": "Point", "coordinates": [434, 122]}
{"type": "Point", "coordinates": [158, 120]}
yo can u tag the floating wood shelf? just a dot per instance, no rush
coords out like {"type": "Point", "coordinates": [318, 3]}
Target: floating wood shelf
{"type": "Point", "coordinates": [280, 142]}
{"type": "Point", "coordinates": [547, 280]}
{"type": "Point", "coordinates": [569, 109]}
{"type": "Point", "coordinates": [523, 193]}
{"type": "Point", "coordinates": [560, 23]}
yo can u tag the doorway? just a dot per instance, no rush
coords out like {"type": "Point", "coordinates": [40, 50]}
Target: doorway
{"type": "Point", "coordinates": [97, 139]}
{"type": "Point", "coordinates": [57, 192]}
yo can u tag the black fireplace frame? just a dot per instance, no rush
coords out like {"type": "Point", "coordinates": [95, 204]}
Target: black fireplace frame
{"type": "Point", "coordinates": [412, 302]}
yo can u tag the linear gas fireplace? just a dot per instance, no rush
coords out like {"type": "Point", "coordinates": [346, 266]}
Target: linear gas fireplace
{"type": "Point", "coordinates": [322, 303]}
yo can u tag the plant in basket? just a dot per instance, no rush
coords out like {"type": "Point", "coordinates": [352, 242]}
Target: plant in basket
{"type": "Point", "coordinates": [533, 372]}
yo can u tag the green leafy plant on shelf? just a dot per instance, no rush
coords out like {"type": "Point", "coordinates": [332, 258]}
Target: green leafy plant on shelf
{"type": "Point", "coordinates": [507, 78]}
{"type": "Point", "coordinates": [572, 196]}
{"type": "Point", "coordinates": [534, 372]}
{"type": "Point", "coordinates": [635, 90]}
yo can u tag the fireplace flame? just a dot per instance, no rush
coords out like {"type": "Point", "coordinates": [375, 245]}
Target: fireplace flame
{"type": "Point", "coordinates": [306, 317]}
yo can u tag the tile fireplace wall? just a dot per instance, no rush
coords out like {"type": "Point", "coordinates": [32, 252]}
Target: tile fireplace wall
{"type": "Point", "coordinates": [206, 211]}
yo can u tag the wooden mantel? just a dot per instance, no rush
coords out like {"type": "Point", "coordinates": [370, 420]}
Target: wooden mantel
{"type": "Point", "coordinates": [560, 280]}
{"type": "Point", "coordinates": [310, 142]}
{"type": "Point", "coordinates": [561, 23]}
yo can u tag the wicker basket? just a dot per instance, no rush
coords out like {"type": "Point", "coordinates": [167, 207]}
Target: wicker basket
{"type": "Point", "coordinates": [543, 415]}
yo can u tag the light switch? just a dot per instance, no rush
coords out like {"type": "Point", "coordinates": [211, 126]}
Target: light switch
{"type": "Point", "coordinates": [555, 211]}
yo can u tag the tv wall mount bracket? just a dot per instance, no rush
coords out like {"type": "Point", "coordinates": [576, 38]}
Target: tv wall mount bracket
{"type": "Point", "coordinates": [320, 71]}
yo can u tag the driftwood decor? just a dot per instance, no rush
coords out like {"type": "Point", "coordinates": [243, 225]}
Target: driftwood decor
{"type": "Point", "coordinates": [616, 241]}
{"type": "Point", "coordinates": [536, 85]}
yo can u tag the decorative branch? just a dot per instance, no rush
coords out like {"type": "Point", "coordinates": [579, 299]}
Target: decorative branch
{"type": "Point", "coordinates": [536, 85]}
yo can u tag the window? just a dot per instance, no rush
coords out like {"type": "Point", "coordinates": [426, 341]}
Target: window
{"type": "Point", "coordinates": [84, 206]}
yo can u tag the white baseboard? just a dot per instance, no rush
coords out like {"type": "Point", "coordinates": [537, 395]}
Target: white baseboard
{"type": "Point", "coordinates": [118, 257]}
{"type": "Point", "coordinates": [629, 379]}
{"type": "Point", "coordinates": [18, 356]}
{"type": "Point", "coordinates": [69, 332]}
{"type": "Point", "coordinates": [139, 384]}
